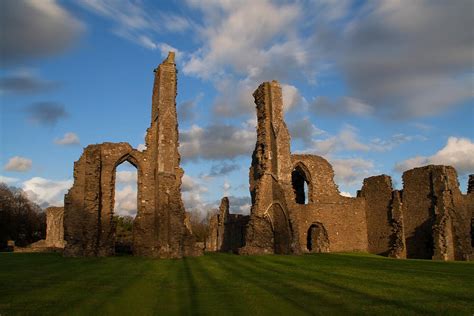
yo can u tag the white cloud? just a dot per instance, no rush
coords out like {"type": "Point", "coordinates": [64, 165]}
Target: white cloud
{"type": "Point", "coordinates": [240, 36]}
{"type": "Point", "coordinates": [141, 147]}
{"type": "Point", "coordinates": [346, 194]}
{"type": "Point", "coordinates": [68, 139]}
{"type": "Point", "coordinates": [19, 164]}
{"type": "Point", "coordinates": [126, 201]}
{"type": "Point", "coordinates": [346, 140]}
{"type": "Point", "coordinates": [217, 141]}
{"type": "Point", "coordinates": [226, 186]}
{"type": "Point", "coordinates": [192, 191]}
{"type": "Point", "coordinates": [458, 152]}
{"type": "Point", "coordinates": [138, 22]}
{"type": "Point", "coordinates": [46, 192]}
{"type": "Point", "coordinates": [351, 171]}
{"type": "Point", "coordinates": [291, 97]}
{"type": "Point", "coordinates": [126, 177]}
{"type": "Point", "coordinates": [8, 180]}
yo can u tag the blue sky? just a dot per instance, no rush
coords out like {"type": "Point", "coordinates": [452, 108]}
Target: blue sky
{"type": "Point", "coordinates": [375, 87]}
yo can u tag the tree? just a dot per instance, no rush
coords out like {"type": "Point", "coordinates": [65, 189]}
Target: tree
{"type": "Point", "coordinates": [21, 220]}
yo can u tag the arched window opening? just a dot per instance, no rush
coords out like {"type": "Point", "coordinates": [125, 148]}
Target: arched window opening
{"type": "Point", "coordinates": [125, 207]}
{"type": "Point", "coordinates": [317, 239]}
{"type": "Point", "coordinates": [300, 185]}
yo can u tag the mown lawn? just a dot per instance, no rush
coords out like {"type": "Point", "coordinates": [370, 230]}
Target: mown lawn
{"type": "Point", "coordinates": [224, 284]}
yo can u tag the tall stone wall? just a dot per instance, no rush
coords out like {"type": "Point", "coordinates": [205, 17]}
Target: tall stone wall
{"type": "Point", "coordinates": [270, 229]}
{"type": "Point", "coordinates": [377, 192]}
{"type": "Point", "coordinates": [436, 214]}
{"type": "Point", "coordinates": [159, 228]}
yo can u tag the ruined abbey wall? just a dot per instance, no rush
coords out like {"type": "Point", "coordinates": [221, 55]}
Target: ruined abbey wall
{"type": "Point", "coordinates": [226, 231]}
{"type": "Point", "coordinates": [159, 229]}
{"type": "Point", "coordinates": [377, 193]}
{"type": "Point", "coordinates": [327, 207]}
{"type": "Point", "coordinates": [297, 207]}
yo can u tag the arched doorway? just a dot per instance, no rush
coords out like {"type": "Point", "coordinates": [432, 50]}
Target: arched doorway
{"type": "Point", "coordinates": [281, 230]}
{"type": "Point", "coordinates": [125, 207]}
{"type": "Point", "coordinates": [318, 240]}
{"type": "Point", "coordinates": [301, 184]}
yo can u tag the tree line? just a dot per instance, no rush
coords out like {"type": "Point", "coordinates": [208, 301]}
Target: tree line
{"type": "Point", "coordinates": [21, 220]}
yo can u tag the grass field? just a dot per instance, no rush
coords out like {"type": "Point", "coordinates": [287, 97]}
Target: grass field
{"type": "Point", "coordinates": [223, 284]}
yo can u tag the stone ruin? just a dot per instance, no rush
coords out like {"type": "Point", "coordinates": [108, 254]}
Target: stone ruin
{"type": "Point", "coordinates": [54, 240]}
{"type": "Point", "coordinates": [296, 205]}
{"type": "Point", "coordinates": [159, 228]}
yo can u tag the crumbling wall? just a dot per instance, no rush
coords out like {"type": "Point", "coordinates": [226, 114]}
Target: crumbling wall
{"type": "Point", "coordinates": [397, 236]}
{"type": "Point", "coordinates": [55, 227]}
{"type": "Point", "coordinates": [226, 231]}
{"type": "Point", "coordinates": [159, 228]}
{"type": "Point", "coordinates": [270, 178]}
{"type": "Point", "coordinates": [377, 192]}
{"type": "Point", "coordinates": [343, 218]}
{"type": "Point", "coordinates": [436, 214]}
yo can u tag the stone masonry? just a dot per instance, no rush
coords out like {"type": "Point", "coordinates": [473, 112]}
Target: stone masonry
{"type": "Point", "coordinates": [297, 207]}
{"type": "Point", "coordinates": [55, 227]}
{"type": "Point", "coordinates": [159, 228]}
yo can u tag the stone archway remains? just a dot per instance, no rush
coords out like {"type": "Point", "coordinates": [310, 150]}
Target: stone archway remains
{"type": "Point", "coordinates": [280, 228]}
{"type": "Point", "coordinates": [318, 240]}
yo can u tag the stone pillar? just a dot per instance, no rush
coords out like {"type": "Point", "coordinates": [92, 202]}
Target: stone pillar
{"type": "Point", "coordinates": [377, 192]}
{"type": "Point", "coordinates": [55, 227]}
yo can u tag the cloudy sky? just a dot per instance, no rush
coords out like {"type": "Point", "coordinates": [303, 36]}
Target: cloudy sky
{"type": "Point", "coordinates": [373, 86]}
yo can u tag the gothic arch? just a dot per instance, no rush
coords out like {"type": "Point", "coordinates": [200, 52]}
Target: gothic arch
{"type": "Point", "coordinates": [317, 238]}
{"type": "Point", "coordinates": [300, 176]}
{"type": "Point", "coordinates": [280, 226]}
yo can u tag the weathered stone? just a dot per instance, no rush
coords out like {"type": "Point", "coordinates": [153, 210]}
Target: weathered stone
{"type": "Point", "coordinates": [226, 231]}
{"type": "Point", "coordinates": [296, 206]}
{"type": "Point", "coordinates": [55, 227]}
{"type": "Point", "coordinates": [470, 184]}
{"type": "Point", "coordinates": [377, 192]}
{"type": "Point", "coordinates": [159, 228]}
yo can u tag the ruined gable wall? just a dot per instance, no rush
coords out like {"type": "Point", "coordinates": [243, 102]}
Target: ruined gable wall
{"type": "Point", "coordinates": [377, 192]}
{"type": "Point", "coordinates": [270, 173]}
{"type": "Point", "coordinates": [159, 228]}
{"type": "Point", "coordinates": [342, 217]}
{"type": "Point", "coordinates": [89, 204]}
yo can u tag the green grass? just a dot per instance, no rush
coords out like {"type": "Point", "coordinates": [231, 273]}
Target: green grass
{"type": "Point", "coordinates": [223, 284]}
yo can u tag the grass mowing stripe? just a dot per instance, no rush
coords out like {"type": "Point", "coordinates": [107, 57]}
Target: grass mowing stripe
{"type": "Point", "coordinates": [228, 284]}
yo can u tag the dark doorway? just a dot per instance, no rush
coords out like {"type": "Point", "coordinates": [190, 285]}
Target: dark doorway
{"type": "Point", "coordinates": [318, 240]}
{"type": "Point", "coordinates": [300, 183]}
